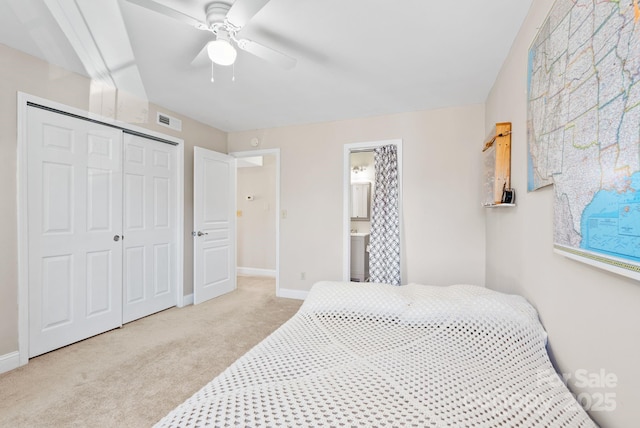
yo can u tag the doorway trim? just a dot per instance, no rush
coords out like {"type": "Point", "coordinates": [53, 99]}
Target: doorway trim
{"type": "Point", "coordinates": [23, 100]}
{"type": "Point", "coordinates": [346, 192]}
{"type": "Point", "coordinates": [265, 152]}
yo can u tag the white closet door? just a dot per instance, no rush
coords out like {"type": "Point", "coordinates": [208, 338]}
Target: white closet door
{"type": "Point", "coordinates": [214, 223]}
{"type": "Point", "coordinates": [150, 226]}
{"type": "Point", "coordinates": [74, 213]}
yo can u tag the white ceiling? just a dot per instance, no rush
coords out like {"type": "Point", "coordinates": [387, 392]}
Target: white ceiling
{"type": "Point", "coordinates": [356, 58]}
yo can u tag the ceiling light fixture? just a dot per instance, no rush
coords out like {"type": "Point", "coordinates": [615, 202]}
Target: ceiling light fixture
{"type": "Point", "coordinates": [220, 50]}
{"type": "Point", "coordinates": [360, 168]}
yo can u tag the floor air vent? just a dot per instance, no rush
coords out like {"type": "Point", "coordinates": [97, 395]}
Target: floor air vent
{"type": "Point", "coordinates": [169, 122]}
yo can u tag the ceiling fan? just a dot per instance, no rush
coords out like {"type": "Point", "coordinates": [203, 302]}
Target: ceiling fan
{"type": "Point", "coordinates": [225, 19]}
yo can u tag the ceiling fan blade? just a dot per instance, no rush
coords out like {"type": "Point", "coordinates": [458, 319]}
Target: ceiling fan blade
{"type": "Point", "coordinates": [267, 54]}
{"type": "Point", "coordinates": [202, 58]}
{"type": "Point", "coordinates": [243, 10]}
{"type": "Point", "coordinates": [172, 13]}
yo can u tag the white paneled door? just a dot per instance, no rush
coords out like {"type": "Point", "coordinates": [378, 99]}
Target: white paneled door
{"type": "Point", "coordinates": [75, 223]}
{"type": "Point", "coordinates": [150, 223]}
{"type": "Point", "coordinates": [214, 223]}
{"type": "Point", "coordinates": [103, 227]}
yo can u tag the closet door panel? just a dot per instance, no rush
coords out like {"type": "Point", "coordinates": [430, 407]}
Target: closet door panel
{"type": "Point", "coordinates": [99, 283]}
{"type": "Point", "coordinates": [74, 197]}
{"type": "Point", "coordinates": [134, 262]}
{"type": "Point", "coordinates": [150, 206]}
{"type": "Point", "coordinates": [57, 291]}
{"type": "Point", "coordinates": [135, 198]}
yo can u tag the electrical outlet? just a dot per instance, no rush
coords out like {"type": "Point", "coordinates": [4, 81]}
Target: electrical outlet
{"type": "Point", "coordinates": [239, 213]}
{"type": "Point", "coordinates": [303, 275]}
{"type": "Point", "coordinates": [284, 214]}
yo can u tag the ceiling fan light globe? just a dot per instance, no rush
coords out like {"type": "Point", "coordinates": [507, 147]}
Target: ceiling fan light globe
{"type": "Point", "coordinates": [221, 52]}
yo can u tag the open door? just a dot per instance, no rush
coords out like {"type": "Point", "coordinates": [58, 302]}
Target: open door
{"type": "Point", "coordinates": [214, 224]}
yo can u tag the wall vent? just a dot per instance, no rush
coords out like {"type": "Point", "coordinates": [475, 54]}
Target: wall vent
{"type": "Point", "coordinates": [168, 121]}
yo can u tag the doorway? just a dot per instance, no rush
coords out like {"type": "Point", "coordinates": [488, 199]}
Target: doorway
{"type": "Point", "coordinates": [358, 190]}
{"type": "Point", "coordinates": [361, 193]}
{"type": "Point", "coordinates": [258, 220]}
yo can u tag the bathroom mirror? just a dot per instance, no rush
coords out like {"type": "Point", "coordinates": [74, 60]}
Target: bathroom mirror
{"type": "Point", "coordinates": [360, 201]}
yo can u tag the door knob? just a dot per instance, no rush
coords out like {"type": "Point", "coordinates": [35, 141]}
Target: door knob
{"type": "Point", "coordinates": [116, 238]}
{"type": "Point", "coordinates": [202, 233]}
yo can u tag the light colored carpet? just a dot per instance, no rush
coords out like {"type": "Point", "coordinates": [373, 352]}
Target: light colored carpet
{"type": "Point", "coordinates": [133, 376]}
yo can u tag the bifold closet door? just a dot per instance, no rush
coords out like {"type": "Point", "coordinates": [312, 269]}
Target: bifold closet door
{"type": "Point", "coordinates": [75, 220]}
{"type": "Point", "coordinates": [150, 225]}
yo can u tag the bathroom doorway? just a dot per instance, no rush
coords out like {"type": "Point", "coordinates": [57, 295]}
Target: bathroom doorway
{"type": "Point", "coordinates": [360, 195]}
{"type": "Point", "coordinates": [362, 201]}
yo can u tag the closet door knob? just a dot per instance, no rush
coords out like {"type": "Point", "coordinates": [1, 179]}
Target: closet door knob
{"type": "Point", "coordinates": [202, 233]}
{"type": "Point", "coordinates": [116, 238]}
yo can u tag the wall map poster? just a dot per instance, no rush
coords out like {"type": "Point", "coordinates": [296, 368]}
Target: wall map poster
{"type": "Point", "coordinates": [583, 128]}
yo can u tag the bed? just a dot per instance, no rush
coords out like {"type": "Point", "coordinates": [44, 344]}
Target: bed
{"type": "Point", "coordinates": [377, 355]}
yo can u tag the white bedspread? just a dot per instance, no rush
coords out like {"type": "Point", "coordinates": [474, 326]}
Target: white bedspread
{"type": "Point", "coordinates": [378, 355]}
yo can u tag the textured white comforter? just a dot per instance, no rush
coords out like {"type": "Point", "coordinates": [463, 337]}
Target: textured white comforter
{"type": "Point", "coordinates": [377, 355]}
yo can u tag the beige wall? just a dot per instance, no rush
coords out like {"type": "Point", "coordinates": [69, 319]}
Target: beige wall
{"type": "Point", "coordinates": [256, 240]}
{"type": "Point", "coordinates": [592, 317]}
{"type": "Point", "coordinates": [443, 222]}
{"type": "Point", "coordinates": [24, 73]}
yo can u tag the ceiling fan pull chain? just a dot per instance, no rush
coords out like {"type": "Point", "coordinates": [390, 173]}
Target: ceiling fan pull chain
{"type": "Point", "coordinates": [212, 72]}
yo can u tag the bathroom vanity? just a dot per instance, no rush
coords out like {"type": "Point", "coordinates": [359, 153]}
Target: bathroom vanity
{"type": "Point", "coordinates": [359, 257]}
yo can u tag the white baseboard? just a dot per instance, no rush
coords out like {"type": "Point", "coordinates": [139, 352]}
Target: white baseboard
{"type": "Point", "coordinates": [187, 300]}
{"type": "Point", "coordinates": [292, 294]}
{"type": "Point", "coordinates": [247, 271]}
{"type": "Point", "coordinates": [9, 361]}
